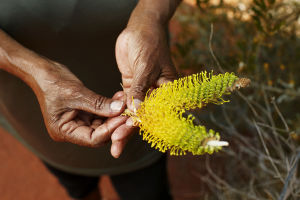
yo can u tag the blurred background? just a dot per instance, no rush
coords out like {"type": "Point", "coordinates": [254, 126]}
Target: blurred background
{"type": "Point", "coordinates": [257, 39]}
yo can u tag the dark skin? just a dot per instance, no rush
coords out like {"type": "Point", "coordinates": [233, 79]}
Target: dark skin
{"type": "Point", "coordinates": [72, 112]}
{"type": "Point", "coordinates": [143, 58]}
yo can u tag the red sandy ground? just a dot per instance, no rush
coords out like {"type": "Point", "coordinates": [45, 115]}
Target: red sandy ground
{"type": "Point", "coordinates": [23, 176]}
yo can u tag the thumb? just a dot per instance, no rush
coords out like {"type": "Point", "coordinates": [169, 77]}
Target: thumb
{"type": "Point", "coordinates": [98, 105]}
{"type": "Point", "coordinates": [141, 83]}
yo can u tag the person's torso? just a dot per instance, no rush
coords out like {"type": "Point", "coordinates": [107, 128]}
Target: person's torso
{"type": "Point", "coordinates": [80, 34]}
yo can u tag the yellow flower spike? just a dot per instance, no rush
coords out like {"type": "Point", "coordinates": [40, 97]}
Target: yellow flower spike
{"type": "Point", "coordinates": [161, 115]}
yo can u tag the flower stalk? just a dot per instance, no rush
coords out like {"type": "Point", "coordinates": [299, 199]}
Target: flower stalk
{"type": "Point", "coordinates": [161, 116]}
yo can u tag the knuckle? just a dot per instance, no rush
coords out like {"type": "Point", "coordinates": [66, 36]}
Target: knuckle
{"type": "Point", "coordinates": [169, 73]}
{"type": "Point", "coordinates": [99, 103]}
{"type": "Point", "coordinates": [139, 89]}
{"type": "Point", "coordinates": [106, 129]}
{"type": "Point", "coordinates": [100, 140]}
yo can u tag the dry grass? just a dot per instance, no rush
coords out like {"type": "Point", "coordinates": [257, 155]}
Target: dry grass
{"type": "Point", "coordinates": [262, 124]}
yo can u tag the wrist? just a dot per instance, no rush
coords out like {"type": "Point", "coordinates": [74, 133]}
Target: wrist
{"type": "Point", "coordinates": [147, 18]}
{"type": "Point", "coordinates": [27, 66]}
{"type": "Point", "coordinates": [44, 73]}
{"type": "Point", "coordinates": [36, 71]}
{"type": "Point", "coordinates": [49, 74]}
{"type": "Point", "coordinates": [153, 12]}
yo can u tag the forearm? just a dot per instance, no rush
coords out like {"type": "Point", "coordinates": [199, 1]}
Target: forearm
{"type": "Point", "coordinates": [154, 11]}
{"type": "Point", "coordinates": [23, 63]}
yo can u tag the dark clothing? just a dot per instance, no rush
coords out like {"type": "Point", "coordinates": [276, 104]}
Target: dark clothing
{"type": "Point", "coordinates": [149, 183]}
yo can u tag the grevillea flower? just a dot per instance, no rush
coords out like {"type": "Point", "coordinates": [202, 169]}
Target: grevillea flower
{"type": "Point", "coordinates": [161, 116]}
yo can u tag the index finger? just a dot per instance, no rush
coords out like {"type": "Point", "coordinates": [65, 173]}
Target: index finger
{"type": "Point", "coordinates": [87, 136]}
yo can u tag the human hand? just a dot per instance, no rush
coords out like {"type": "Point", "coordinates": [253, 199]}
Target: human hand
{"type": "Point", "coordinates": [144, 61]}
{"type": "Point", "coordinates": [72, 112]}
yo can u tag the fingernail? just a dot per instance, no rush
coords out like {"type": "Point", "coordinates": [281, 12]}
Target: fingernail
{"type": "Point", "coordinates": [129, 122]}
{"type": "Point", "coordinates": [135, 104]}
{"type": "Point", "coordinates": [116, 105]}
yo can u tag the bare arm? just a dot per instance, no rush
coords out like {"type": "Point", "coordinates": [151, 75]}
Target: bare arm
{"type": "Point", "coordinates": [153, 11]}
{"type": "Point", "coordinates": [71, 111]}
{"type": "Point", "coordinates": [21, 62]}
